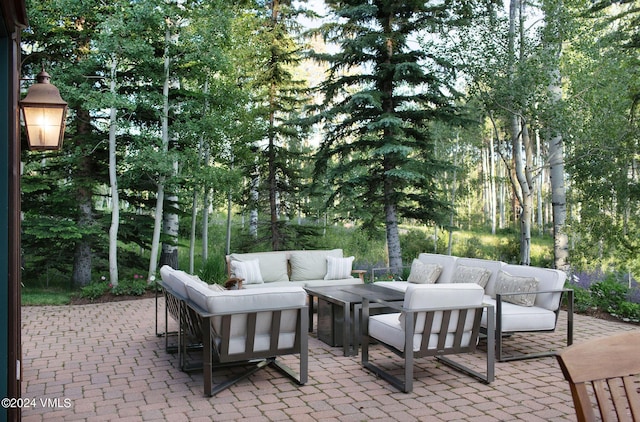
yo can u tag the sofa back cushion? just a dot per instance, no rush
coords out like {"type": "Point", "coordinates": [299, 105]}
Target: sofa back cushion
{"type": "Point", "coordinates": [548, 279]}
{"type": "Point", "coordinates": [273, 265]}
{"type": "Point", "coordinates": [493, 266]}
{"type": "Point", "coordinates": [178, 280]}
{"type": "Point", "coordinates": [447, 262]}
{"type": "Point", "coordinates": [311, 265]}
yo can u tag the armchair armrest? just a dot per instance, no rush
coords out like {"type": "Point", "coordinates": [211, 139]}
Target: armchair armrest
{"type": "Point", "coordinates": [499, 331]}
{"type": "Point", "coordinates": [359, 274]}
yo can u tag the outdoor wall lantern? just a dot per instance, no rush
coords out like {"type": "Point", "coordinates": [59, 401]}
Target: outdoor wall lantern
{"type": "Point", "coordinates": [44, 113]}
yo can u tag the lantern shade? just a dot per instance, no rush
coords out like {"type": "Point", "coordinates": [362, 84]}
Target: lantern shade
{"type": "Point", "coordinates": [44, 113]}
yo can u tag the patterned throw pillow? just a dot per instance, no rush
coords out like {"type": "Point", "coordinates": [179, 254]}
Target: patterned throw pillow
{"type": "Point", "coordinates": [465, 274]}
{"type": "Point", "coordinates": [249, 271]}
{"type": "Point", "coordinates": [508, 283]}
{"type": "Point", "coordinates": [338, 268]}
{"type": "Point", "coordinates": [422, 273]}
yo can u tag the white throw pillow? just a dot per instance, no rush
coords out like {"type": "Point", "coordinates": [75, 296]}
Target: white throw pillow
{"type": "Point", "coordinates": [339, 268]}
{"type": "Point", "coordinates": [507, 283]}
{"type": "Point", "coordinates": [248, 271]}
{"type": "Point", "coordinates": [466, 274]}
{"type": "Point", "coordinates": [422, 273]}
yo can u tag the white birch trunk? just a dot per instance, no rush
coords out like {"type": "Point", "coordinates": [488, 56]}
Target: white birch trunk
{"type": "Point", "coordinates": [192, 237]}
{"type": "Point", "coordinates": [556, 169]}
{"type": "Point", "coordinates": [205, 212]}
{"type": "Point", "coordinates": [453, 197]}
{"type": "Point", "coordinates": [115, 200]}
{"type": "Point", "coordinates": [492, 185]}
{"type": "Point", "coordinates": [157, 226]}
{"type": "Point", "coordinates": [253, 213]}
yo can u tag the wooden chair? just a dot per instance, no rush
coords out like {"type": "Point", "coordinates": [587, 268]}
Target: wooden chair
{"type": "Point", "coordinates": [603, 375]}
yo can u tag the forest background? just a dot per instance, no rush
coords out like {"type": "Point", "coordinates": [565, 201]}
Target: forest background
{"type": "Point", "coordinates": [386, 128]}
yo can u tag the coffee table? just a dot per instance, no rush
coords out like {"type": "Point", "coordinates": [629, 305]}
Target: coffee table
{"type": "Point", "coordinates": [339, 310]}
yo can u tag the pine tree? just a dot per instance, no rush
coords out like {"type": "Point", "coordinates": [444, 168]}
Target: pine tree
{"type": "Point", "coordinates": [382, 93]}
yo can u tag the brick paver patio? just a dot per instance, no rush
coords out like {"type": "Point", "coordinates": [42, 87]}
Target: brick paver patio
{"type": "Point", "coordinates": [103, 362]}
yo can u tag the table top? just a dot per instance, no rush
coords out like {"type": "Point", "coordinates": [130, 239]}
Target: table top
{"type": "Point", "coordinates": [355, 293]}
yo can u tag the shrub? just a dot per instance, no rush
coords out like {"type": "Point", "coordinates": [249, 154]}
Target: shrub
{"type": "Point", "coordinates": [94, 290]}
{"type": "Point", "coordinates": [135, 287]}
{"type": "Point", "coordinates": [582, 300]}
{"type": "Point", "coordinates": [609, 293]}
{"type": "Point", "coordinates": [627, 311]}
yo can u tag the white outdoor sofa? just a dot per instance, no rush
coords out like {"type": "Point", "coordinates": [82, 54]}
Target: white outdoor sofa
{"type": "Point", "coordinates": [526, 299]}
{"type": "Point", "coordinates": [248, 327]}
{"type": "Point", "coordinates": [304, 268]}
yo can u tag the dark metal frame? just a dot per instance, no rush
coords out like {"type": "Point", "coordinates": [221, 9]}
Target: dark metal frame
{"type": "Point", "coordinates": [405, 384]}
{"type": "Point", "coordinates": [499, 334]}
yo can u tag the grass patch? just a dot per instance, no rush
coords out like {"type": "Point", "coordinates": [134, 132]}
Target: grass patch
{"type": "Point", "coordinates": [43, 296]}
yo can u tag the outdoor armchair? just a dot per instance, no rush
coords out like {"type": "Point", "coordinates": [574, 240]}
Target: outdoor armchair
{"type": "Point", "coordinates": [434, 320]}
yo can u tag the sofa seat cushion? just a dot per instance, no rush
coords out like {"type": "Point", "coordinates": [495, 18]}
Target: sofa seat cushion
{"type": "Point", "coordinates": [522, 318]}
{"type": "Point", "coordinates": [310, 265]}
{"type": "Point", "coordinates": [275, 284]}
{"type": "Point", "coordinates": [341, 282]}
{"type": "Point", "coordinates": [273, 265]}
{"type": "Point", "coordinates": [400, 286]}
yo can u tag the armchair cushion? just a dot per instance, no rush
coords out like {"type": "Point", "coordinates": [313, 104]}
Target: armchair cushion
{"type": "Point", "coordinates": [435, 296]}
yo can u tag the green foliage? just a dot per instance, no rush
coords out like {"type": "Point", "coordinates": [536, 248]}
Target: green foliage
{"type": "Point", "coordinates": [213, 269]}
{"type": "Point", "coordinates": [609, 293]}
{"type": "Point", "coordinates": [413, 243]}
{"type": "Point", "coordinates": [582, 299]}
{"type": "Point", "coordinates": [130, 287]}
{"type": "Point", "coordinates": [94, 290]}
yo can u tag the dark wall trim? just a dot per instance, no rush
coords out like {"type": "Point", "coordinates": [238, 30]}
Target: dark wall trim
{"type": "Point", "coordinates": [13, 19]}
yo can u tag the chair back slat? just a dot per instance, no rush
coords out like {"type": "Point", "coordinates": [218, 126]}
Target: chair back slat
{"type": "Point", "coordinates": [275, 329]}
{"type": "Point", "coordinates": [632, 390]}
{"type": "Point", "coordinates": [426, 331]}
{"type": "Point", "coordinates": [444, 330]}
